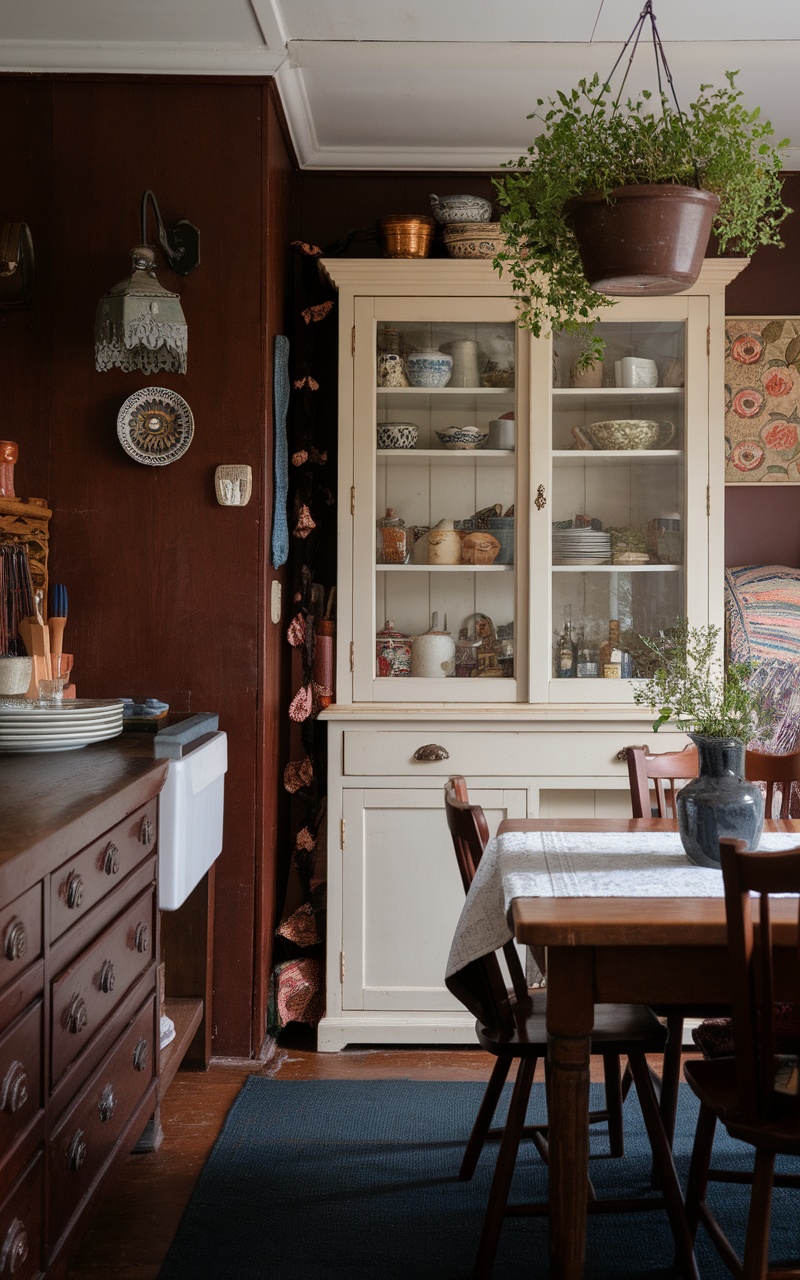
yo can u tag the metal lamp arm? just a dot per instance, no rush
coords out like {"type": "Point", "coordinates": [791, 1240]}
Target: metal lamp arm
{"type": "Point", "coordinates": [181, 243]}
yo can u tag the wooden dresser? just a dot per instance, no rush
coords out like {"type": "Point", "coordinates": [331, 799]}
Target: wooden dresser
{"type": "Point", "coordinates": [79, 1015]}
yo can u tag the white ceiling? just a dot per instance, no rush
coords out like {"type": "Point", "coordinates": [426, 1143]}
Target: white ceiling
{"type": "Point", "coordinates": [415, 84]}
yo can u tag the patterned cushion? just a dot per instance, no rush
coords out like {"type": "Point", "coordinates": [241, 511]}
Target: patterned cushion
{"type": "Point", "coordinates": [714, 1036]}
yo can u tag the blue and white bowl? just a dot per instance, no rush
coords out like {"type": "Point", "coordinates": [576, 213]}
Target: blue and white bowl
{"type": "Point", "coordinates": [463, 437]}
{"type": "Point", "coordinates": [397, 435]}
{"type": "Point", "coordinates": [429, 368]}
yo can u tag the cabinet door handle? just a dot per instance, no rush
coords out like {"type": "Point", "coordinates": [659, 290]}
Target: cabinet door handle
{"type": "Point", "coordinates": [145, 831]}
{"type": "Point", "coordinates": [16, 941]}
{"type": "Point", "coordinates": [111, 859]}
{"type": "Point", "coordinates": [107, 978]}
{"type": "Point", "coordinates": [431, 752]}
{"type": "Point", "coordinates": [107, 1104]}
{"type": "Point", "coordinates": [14, 1089]}
{"type": "Point", "coordinates": [540, 501]}
{"type": "Point", "coordinates": [14, 1253]}
{"type": "Point", "coordinates": [76, 1152]}
{"type": "Point", "coordinates": [140, 1055]}
{"type": "Point", "coordinates": [74, 892]}
{"type": "Point", "coordinates": [141, 937]}
{"type": "Point", "coordinates": [77, 1016]}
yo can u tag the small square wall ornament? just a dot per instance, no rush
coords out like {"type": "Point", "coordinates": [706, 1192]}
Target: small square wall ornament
{"type": "Point", "coordinates": [234, 484]}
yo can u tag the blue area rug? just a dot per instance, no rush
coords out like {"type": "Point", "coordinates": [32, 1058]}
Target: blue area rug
{"type": "Point", "coordinates": [343, 1179]}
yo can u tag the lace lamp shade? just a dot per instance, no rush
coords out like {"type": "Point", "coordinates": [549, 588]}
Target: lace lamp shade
{"type": "Point", "coordinates": [140, 324]}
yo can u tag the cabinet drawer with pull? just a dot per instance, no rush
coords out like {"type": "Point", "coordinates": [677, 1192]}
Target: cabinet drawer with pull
{"type": "Point", "coordinates": [21, 1226]}
{"type": "Point", "coordinates": [20, 1077]}
{"type": "Point", "coordinates": [86, 993]}
{"type": "Point", "coordinates": [440, 752]}
{"type": "Point", "coordinates": [83, 881]}
{"type": "Point", "coordinates": [86, 1135]}
{"type": "Point", "coordinates": [20, 935]}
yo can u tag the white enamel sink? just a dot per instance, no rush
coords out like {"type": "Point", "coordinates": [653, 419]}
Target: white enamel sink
{"type": "Point", "coordinates": [190, 814]}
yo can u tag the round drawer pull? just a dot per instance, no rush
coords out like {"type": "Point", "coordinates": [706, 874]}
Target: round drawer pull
{"type": "Point", "coordinates": [16, 941]}
{"type": "Point", "coordinates": [14, 1089]}
{"type": "Point", "coordinates": [145, 831]}
{"type": "Point", "coordinates": [14, 1253]}
{"type": "Point", "coordinates": [111, 859]}
{"type": "Point", "coordinates": [74, 892]}
{"type": "Point", "coordinates": [107, 978]}
{"type": "Point", "coordinates": [77, 1015]}
{"type": "Point", "coordinates": [107, 1104]}
{"type": "Point", "coordinates": [76, 1152]}
{"type": "Point", "coordinates": [141, 937]}
{"type": "Point", "coordinates": [431, 752]}
{"type": "Point", "coordinates": [140, 1055]}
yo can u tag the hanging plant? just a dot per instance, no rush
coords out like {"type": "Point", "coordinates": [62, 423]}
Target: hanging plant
{"type": "Point", "coordinates": [593, 145]}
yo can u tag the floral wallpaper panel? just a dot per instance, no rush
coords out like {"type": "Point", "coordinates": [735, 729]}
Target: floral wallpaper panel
{"type": "Point", "coordinates": [762, 400]}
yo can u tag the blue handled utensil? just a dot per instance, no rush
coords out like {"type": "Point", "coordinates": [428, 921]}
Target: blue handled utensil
{"type": "Point", "coordinates": [58, 617]}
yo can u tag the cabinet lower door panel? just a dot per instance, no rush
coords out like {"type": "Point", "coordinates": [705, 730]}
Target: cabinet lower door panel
{"type": "Point", "coordinates": [402, 895]}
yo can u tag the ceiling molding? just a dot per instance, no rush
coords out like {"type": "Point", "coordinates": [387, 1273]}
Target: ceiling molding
{"type": "Point", "coordinates": [269, 16]}
{"type": "Point", "coordinates": [127, 57]}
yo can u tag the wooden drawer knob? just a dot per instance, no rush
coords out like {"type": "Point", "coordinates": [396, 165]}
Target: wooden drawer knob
{"type": "Point", "coordinates": [14, 1089]}
{"type": "Point", "coordinates": [16, 941]}
{"type": "Point", "coordinates": [140, 1055]}
{"type": "Point", "coordinates": [146, 832]}
{"type": "Point", "coordinates": [141, 937]}
{"type": "Point", "coordinates": [74, 892]}
{"type": "Point", "coordinates": [111, 859]}
{"type": "Point", "coordinates": [107, 978]}
{"type": "Point", "coordinates": [431, 752]}
{"type": "Point", "coordinates": [76, 1152]}
{"type": "Point", "coordinates": [77, 1015]}
{"type": "Point", "coordinates": [107, 1104]}
{"type": "Point", "coordinates": [14, 1253]}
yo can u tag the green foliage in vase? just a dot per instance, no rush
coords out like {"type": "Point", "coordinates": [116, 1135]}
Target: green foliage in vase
{"type": "Point", "coordinates": [692, 688]}
{"type": "Point", "coordinates": [589, 144]}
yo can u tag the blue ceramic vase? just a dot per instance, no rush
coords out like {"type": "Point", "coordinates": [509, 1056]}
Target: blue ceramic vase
{"type": "Point", "coordinates": [718, 802]}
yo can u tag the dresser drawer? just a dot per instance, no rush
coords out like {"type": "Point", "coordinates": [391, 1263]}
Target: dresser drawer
{"type": "Point", "coordinates": [83, 881]}
{"type": "Point", "coordinates": [20, 935]}
{"type": "Point", "coordinates": [505, 754]}
{"type": "Point", "coordinates": [21, 1225]}
{"type": "Point", "coordinates": [86, 993]}
{"type": "Point", "coordinates": [87, 1134]}
{"type": "Point", "coordinates": [21, 1097]}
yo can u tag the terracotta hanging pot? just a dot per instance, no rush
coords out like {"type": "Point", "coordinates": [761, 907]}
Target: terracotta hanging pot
{"type": "Point", "coordinates": [648, 239]}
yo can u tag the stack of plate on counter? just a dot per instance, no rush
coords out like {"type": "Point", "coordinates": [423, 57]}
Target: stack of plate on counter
{"type": "Point", "coordinates": [581, 546]}
{"type": "Point", "coordinates": [28, 725]}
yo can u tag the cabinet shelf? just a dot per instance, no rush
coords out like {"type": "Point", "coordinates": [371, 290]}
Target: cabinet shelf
{"type": "Point", "coordinates": [444, 568]}
{"type": "Point", "coordinates": [440, 457]}
{"type": "Point", "coordinates": [604, 457]}
{"type": "Point", "coordinates": [601, 395]}
{"type": "Point", "coordinates": [617, 568]}
{"type": "Point", "coordinates": [451, 397]}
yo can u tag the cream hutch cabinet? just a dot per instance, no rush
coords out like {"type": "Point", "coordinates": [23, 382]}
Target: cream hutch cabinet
{"type": "Point", "coordinates": [587, 537]}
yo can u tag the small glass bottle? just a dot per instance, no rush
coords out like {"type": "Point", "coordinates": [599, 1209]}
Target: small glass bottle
{"type": "Point", "coordinates": [392, 539]}
{"type": "Point", "coordinates": [565, 656]}
{"type": "Point", "coordinates": [609, 647]}
{"type": "Point", "coordinates": [587, 658]}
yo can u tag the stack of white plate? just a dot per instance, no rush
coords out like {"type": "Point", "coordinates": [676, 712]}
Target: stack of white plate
{"type": "Point", "coordinates": [28, 725]}
{"type": "Point", "coordinates": [581, 546]}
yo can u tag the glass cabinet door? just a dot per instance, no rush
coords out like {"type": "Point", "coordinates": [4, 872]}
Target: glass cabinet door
{"type": "Point", "coordinates": [627, 492]}
{"type": "Point", "coordinates": [437, 525]}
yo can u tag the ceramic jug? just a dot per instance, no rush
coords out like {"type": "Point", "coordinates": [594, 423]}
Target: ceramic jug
{"type": "Point", "coordinates": [433, 654]}
{"type": "Point", "coordinates": [465, 362]}
{"type": "Point", "coordinates": [444, 544]}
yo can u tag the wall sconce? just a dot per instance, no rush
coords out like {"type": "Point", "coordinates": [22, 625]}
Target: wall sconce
{"type": "Point", "coordinates": [140, 324]}
{"type": "Point", "coordinates": [16, 265]}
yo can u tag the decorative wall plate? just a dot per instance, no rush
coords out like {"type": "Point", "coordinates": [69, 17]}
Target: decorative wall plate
{"type": "Point", "coordinates": [155, 426]}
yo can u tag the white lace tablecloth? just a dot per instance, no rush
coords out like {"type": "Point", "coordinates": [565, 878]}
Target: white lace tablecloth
{"type": "Point", "coordinates": [577, 864]}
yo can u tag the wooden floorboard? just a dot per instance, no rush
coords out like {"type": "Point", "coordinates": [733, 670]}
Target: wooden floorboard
{"type": "Point", "coordinates": [134, 1225]}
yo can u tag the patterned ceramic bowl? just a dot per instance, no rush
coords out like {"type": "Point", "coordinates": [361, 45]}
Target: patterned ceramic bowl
{"type": "Point", "coordinates": [449, 209]}
{"type": "Point", "coordinates": [463, 437]}
{"type": "Point", "coordinates": [631, 433]}
{"type": "Point", "coordinates": [472, 239]}
{"type": "Point", "coordinates": [397, 435]}
{"type": "Point", "coordinates": [429, 368]}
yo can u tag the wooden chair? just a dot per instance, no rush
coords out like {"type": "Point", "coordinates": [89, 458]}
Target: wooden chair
{"type": "Point", "coordinates": [776, 770]}
{"type": "Point", "coordinates": [756, 1092]}
{"type": "Point", "coordinates": [511, 1025]}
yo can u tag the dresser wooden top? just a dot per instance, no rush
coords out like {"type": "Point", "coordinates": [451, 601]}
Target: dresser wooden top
{"type": "Point", "coordinates": [53, 803]}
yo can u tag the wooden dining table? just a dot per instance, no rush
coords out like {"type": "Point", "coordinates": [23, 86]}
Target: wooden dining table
{"type": "Point", "coordinates": [663, 951]}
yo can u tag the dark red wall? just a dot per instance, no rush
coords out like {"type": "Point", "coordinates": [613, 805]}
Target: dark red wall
{"type": "Point", "coordinates": [167, 589]}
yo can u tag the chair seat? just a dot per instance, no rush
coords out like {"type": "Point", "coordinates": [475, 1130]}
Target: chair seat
{"type": "Point", "coordinates": [714, 1036]}
{"type": "Point", "coordinates": [617, 1028]}
{"type": "Point", "coordinates": [714, 1083]}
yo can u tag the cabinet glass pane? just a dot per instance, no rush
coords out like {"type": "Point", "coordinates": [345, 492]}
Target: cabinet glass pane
{"type": "Point", "coordinates": [445, 456]}
{"type": "Point", "coordinates": [619, 506]}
